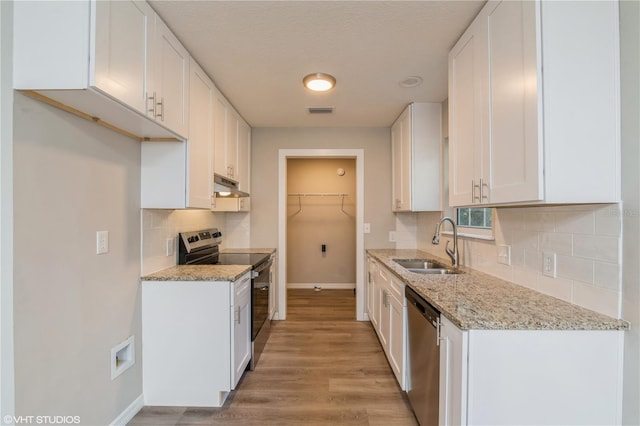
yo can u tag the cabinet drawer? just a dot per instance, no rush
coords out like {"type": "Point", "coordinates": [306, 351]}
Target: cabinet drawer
{"type": "Point", "coordinates": [397, 289]}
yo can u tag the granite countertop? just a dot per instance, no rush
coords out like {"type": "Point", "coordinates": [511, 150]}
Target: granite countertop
{"type": "Point", "coordinates": [477, 301]}
{"type": "Point", "coordinates": [207, 272]}
{"type": "Point", "coordinates": [199, 273]}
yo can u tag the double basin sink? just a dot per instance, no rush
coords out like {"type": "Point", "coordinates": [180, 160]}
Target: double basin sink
{"type": "Point", "coordinates": [425, 266]}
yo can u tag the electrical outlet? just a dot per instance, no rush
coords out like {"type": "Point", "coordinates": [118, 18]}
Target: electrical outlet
{"type": "Point", "coordinates": [367, 228]}
{"type": "Point", "coordinates": [392, 236]}
{"type": "Point", "coordinates": [549, 264]}
{"type": "Point", "coordinates": [170, 247]}
{"type": "Point", "coordinates": [504, 254]}
{"type": "Point", "coordinates": [102, 242]}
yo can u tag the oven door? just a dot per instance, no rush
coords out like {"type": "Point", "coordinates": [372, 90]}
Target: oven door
{"type": "Point", "coordinates": [261, 288]}
{"type": "Point", "coordinates": [260, 325]}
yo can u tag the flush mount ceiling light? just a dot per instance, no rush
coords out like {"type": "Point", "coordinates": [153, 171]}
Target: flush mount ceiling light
{"type": "Point", "coordinates": [413, 81]}
{"type": "Point", "coordinates": [319, 82]}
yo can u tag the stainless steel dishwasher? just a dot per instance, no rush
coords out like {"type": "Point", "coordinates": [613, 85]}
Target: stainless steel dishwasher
{"type": "Point", "coordinates": [423, 358]}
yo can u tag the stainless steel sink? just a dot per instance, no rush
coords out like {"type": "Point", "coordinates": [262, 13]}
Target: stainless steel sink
{"type": "Point", "coordinates": [425, 266]}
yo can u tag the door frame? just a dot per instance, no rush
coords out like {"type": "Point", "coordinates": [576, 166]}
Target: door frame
{"type": "Point", "coordinates": [283, 155]}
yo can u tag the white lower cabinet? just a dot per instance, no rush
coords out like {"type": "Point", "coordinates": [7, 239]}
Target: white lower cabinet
{"type": "Point", "coordinates": [387, 312]}
{"type": "Point", "coordinates": [196, 340]}
{"type": "Point", "coordinates": [372, 307]}
{"type": "Point", "coordinates": [241, 327]}
{"type": "Point", "coordinates": [541, 377]}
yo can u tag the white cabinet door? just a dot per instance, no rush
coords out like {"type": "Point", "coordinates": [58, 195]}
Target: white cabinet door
{"type": "Point", "coordinates": [241, 328]}
{"type": "Point", "coordinates": [226, 138]}
{"type": "Point", "coordinates": [169, 82]}
{"type": "Point", "coordinates": [200, 143]}
{"type": "Point", "coordinates": [516, 153]}
{"type": "Point", "coordinates": [453, 374]}
{"type": "Point", "coordinates": [416, 138]}
{"type": "Point", "coordinates": [382, 286]}
{"type": "Point", "coordinates": [220, 112]}
{"type": "Point", "coordinates": [401, 157]}
{"type": "Point", "coordinates": [232, 144]}
{"type": "Point", "coordinates": [123, 32]}
{"type": "Point", "coordinates": [244, 155]}
{"type": "Point", "coordinates": [468, 136]}
{"type": "Point", "coordinates": [372, 292]}
{"type": "Point", "coordinates": [397, 338]}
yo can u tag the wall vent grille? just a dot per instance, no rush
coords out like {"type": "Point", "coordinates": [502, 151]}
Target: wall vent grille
{"type": "Point", "coordinates": [320, 110]}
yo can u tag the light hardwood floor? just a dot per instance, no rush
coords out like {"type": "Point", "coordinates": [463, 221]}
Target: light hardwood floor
{"type": "Point", "coordinates": [319, 367]}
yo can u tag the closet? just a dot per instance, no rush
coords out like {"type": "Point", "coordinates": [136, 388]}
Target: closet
{"type": "Point", "coordinates": [321, 223]}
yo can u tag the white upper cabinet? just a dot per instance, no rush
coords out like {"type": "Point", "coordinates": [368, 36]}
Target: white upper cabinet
{"type": "Point", "coordinates": [534, 105]}
{"type": "Point", "coordinates": [468, 138]}
{"type": "Point", "coordinates": [168, 93]}
{"type": "Point", "coordinates": [180, 175]}
{"type": "Point", "coordinates": [416, 139]}
{"type": "Point", "coordinates": [244, 155]}
{"type": "Point", "coordinates": [515, 171]}
{"type": "Point", "coordinates": [232, 143]}
{"type": "Point", "coordinates": [123, 29]}
{"type": "Point", "coordinates": [97, 58]}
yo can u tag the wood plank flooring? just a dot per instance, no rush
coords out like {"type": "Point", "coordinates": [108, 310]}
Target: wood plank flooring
{"type": "Point", "coordinates": [319, 367]}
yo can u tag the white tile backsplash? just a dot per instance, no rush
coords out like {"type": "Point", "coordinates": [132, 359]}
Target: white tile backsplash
{"type": "Point", "coordinates": [160, 225]}
{"type": "Point", "coordinates": [596, 247]}
{"type": "Point", "coordinates": [585, 238]}
{"type": "Point", "coordinates": [406, 230]}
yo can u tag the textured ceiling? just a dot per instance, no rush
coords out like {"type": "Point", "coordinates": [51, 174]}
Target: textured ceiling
{"type": "Point", "coordinates": [257, 53]}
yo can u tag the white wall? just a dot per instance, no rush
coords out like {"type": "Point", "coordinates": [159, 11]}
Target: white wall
{"type": "Point", "coordinates": [266, 142]}
{"type": "Point", "coordinates": [160, 225]}
{"type": "Point", "coordinates": [6, 210]}
{"type": "Point", "coordinates": [73, 178]}
{"type": "Point", "coordinates": [630, 83]}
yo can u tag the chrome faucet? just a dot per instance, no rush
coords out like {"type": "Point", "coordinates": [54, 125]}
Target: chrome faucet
{"type": "Point", "coordinates": [453, 254]}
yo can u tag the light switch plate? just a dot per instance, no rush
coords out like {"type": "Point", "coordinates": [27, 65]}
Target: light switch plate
{"type": "Point", "coordinates": [549, 264]}
{"type": "Point", "coordinates": [504, 254]}
{"type": "Point", "coordinates": [367, 228]}
{"type": "Point", "coordinates": [102, 242]}
{"type": "Point", "coordinates": [170, 247]}
{"type": "Point", "coordinates": [392, 236]}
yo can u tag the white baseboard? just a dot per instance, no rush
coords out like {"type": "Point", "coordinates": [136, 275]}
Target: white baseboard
{"type": "Point", "coordinates": [129, 412]}
{"type": "Point", "coordinates": [325, 286]}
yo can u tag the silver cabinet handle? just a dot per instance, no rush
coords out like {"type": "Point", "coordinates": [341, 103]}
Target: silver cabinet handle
{"type": "Point", "coordinates": [152, 110]}
{"type": "Point", "coordinates": [483, 197]}
{"type": "Point", "coordinates": [473, 191]}
{"type": "Point", "coordinates": [161, 104]}
{"type": "Point", "coordinates": [237, 314]}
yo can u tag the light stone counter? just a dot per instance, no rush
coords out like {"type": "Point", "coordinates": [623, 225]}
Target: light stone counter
{"type": "Point", "coordinates": [199, 273]}
{"type": "Point", "coordinates": [473, 300]}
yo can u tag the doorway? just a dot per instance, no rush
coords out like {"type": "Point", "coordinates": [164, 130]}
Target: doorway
{"type": "Point", "coordinates": [321, 228]}
{"type": "Point", "coordinates": [315, 209]}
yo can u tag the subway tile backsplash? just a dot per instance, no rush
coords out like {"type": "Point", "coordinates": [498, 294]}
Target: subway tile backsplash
{"type": "Point", "coordinates": [585, 238]}
{"type": "Point", "coordinates": [160, 225]}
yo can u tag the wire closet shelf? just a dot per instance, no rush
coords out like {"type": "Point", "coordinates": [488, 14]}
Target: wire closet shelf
{"type": "Point", "coordinates": [317, 194]}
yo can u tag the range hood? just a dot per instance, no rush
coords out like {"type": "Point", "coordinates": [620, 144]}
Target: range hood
{"type": "Point", "coordinates": [225, 187]}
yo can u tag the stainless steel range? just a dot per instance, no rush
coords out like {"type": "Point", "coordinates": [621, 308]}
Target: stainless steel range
{"type": "Point", "coordinates": [202, 248]}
